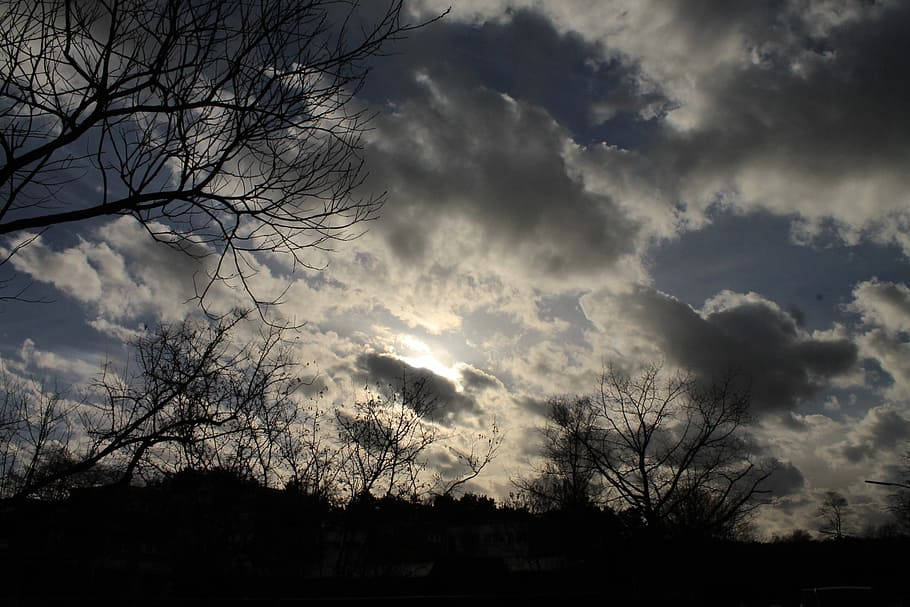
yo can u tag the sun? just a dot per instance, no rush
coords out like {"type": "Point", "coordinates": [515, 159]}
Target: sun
{"type": "Point", "coordinates": [418, 354]}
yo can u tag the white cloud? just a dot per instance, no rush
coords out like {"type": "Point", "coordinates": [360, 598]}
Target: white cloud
{"type": "Point", "coordinates": [883, 304]}
{"type": "Point", "coordinates": [884, 310]}
{"type": "Point", "coordinates": [56, 368]}
{"type": "Point", "coordinates": [121, 273]}
{"type": "Point", "coordinates": [792, 107]}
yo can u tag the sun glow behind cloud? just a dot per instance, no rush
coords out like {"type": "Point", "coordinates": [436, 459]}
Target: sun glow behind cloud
{"type": "Point", "coordinates": [421, 356]}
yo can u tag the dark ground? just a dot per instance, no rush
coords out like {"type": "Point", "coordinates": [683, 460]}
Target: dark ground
{"type": "Point", "coordinates": [187, 543]}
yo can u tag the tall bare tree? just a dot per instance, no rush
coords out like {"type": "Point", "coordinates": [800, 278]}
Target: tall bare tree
{"type": "Point", "coordinates": [34, 431]}
{"type": "Point", "coordinates": [311, 456]}
{"type": "Point", "coordinates": [223, 126]}
{"type": "Point", "coordinates": [387, 437]}
{"type": "Point", "coordinates": [567, 479]}
{"type": "Point", "coordinates": [667, 449]}
{"type": "Point", "coordinates": [833, 512]}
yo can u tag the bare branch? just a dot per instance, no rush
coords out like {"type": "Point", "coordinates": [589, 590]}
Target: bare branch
{"type": "Point", "coordinates": [670, 452]}
{"type": "Point", "coordinates": [226, 128]}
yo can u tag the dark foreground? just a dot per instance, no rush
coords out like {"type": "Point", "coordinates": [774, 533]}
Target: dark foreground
{"type": "Point", "coordinates": [143, 545]}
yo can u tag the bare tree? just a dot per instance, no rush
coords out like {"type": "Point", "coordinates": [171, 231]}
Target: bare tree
{"type": "Point", "coordinates": [311, 457]}
{"type": "Point", "coordinates": [224, 126]}
{"type": "Point", "coordinates": [35, 430]}
{"type": "Point", "coordinates": [899, 500]}
{"type": "Point", "coordinates": [832, 512]}
{"type": "Point", "coordinates": [667, 450]}
{"type": "Point", "coordinates": [38, 428]}
{"type": "Point", "coordinates": [385, 437]}
{"type": "Point", "coordinates": [567, 479]}
{"type": "Point", "coordinates": [194, 400]}
{"type": "Point", "coordinates": [472, 461]}
{"type": "Point", "coordinates": [192, 397]}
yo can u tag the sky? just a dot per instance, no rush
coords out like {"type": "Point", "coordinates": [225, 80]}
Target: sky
{"type": "Point", "coordinates": [706, 184]}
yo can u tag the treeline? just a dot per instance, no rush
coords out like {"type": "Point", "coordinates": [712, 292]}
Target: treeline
{"type": "Point", "coordinates": [191, 397]}
{"type": "Point", "coordinates": [207, 465]}
{"type": "Point", "coordinates": [667, 454]}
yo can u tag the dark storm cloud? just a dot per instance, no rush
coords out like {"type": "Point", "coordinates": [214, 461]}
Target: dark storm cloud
{"type": "Point", "coordinates": [388, 371]}
{"type": "Point", "coordinates": [465, 136]}
{"type": "Point", "coordinates": [497, 162]}
{"type": "Point", "coordinates": [753, 337]}
{"type": "Point", "coordinates": [823, 106]}
{"type": "Point", "coordinates": [475, 379]}
{"type": "Point", "coordinates": [786, 479]}
{"type": "Point", "coordinates": [856, 453]}
{"type": "Point", "coordinates": [847, 112]}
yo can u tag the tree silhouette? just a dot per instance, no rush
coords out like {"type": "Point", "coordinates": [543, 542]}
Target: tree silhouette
{"type": "Point", "coordinates": [481, 452]}
{"type": "Point", "coordinates": [34, 432]}
{"type": "Point", "coordinates": [568, 478]}
{"type": "Point", "coordinates": [190, 398]}
{"type": "Point", "coordinates": [310, 456]}
{"type": "Point", "coordinates": [193, 397]}
{"type": "Point", "coordinates": [832, 512]}
{"type": "Point", "coordinates": [668, 451]}
{"type": "Point", "coordinates": [225, 127]}
{"type": "Point", "coordinates": [899, 501]}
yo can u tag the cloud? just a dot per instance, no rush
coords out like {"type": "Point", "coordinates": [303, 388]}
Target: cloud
{"type": "Point", "coordinates": [785, 480]}
{"type": "Point", "coordinates": [884, 311]}
{"type": "Point", "coordinates": [54, 368]}
{"type": "Point", "coordinates": [476, 155]}
{"type": "Point", "coordinates": [883, 429]}
{"type": "Point", "coordinates": [893, 355]}
{"type": "Point", "coordinates": [389, 371]}
{"type": "Point", "coordinates": [118, 270]}
{"type": "Point", "coordinates": [70, 271]}
{"type": "Point", "coordinates": [526, 55]}
{"type": "Point", "coordinates": [883, 304]}
{"type": "Point", "coordinates": [120, 332]}
{"type": "Point", "coordinates": [834, 455]}
{"type": "Point", "coordinates": [744, 333]}
{"type": "Point", "coordinates": [535, 406]}
{"type": "Point", "coordinates": [812, 124]}
{"type": "Point", "coordinates": [792, 107]}
{"type": "Point", "coordinates": [476, 380]}
{"type": "Point", "coordinates": [816, 128]}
